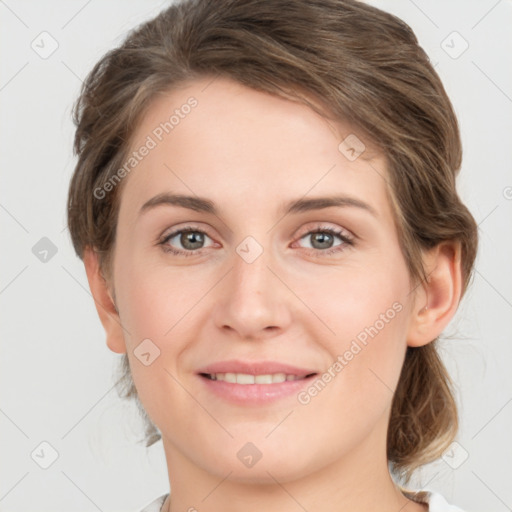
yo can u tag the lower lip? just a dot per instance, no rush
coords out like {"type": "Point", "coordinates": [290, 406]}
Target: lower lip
{"type": "Point", "coordinates": [256, 394]}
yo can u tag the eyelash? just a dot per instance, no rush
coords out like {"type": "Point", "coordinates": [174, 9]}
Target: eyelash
{"type": "Point", "coordinates": [347, 241]}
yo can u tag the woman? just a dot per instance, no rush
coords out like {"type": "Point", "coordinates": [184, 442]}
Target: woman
{"type": "Point", "coordinates": [265, 205]}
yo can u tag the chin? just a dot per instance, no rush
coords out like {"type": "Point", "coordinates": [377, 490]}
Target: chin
{"type": "Point", "coordinates": [246, 463]}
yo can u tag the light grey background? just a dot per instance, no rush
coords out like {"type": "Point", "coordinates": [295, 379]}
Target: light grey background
{"type": "Point", "coordinates": [56, 371]}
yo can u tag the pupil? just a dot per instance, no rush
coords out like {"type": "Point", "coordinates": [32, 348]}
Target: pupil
{"type": "Point", "coordinates": [322, 238]}
{"type": "Point", "coordinates": [192, 240]}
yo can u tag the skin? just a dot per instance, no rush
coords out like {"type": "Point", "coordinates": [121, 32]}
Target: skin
{"type": "Point", "coordinates": [249, 152]}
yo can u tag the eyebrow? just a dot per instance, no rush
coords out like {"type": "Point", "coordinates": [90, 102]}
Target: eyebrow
{"type": "Point", "coordinates": [200, 204]}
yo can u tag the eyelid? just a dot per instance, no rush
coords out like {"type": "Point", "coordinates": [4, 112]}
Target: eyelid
{"type": "Point", "coordinates": [320, 226]}
{"type": "Point", "coordinates": [178, 229]}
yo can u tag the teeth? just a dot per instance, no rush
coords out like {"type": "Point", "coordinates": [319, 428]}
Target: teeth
{"type": "Point", "coordinates": [244, 378]}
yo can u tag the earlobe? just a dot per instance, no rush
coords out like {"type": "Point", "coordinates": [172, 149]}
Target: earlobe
{"type": "Point", "coordinates": [439, 295]}
{"type": "Point", "coordinates": [104, 302]}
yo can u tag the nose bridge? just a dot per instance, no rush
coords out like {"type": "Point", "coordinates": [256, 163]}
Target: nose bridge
{"type": "Point", "coordinates": [252, 301]}
{"type": "Point", "coordinates": [251, 272]}
{"type": "Point", "coordinates": [252, 279]}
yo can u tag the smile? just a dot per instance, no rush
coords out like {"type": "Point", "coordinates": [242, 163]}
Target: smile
{"type": "Point", "coordinates": [244, 378]}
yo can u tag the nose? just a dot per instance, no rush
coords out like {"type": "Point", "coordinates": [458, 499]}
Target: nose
{"type": "Point", "coordinates": [253, 302]}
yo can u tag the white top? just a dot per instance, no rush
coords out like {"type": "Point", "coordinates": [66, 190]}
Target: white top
{"type": "Point", "coordinates": [436, 503]}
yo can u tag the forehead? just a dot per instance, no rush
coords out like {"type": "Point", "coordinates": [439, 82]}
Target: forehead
{"type": "Point", "coordinates": [223, 140]}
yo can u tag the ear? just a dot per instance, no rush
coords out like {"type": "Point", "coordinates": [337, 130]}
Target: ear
{"type": "Point", "coordinates": [105, 306]}
{"type": "Point", "coordinates": [438, 298]}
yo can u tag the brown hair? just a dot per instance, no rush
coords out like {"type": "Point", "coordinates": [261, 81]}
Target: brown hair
{"type": "Point", "coordinates": [366, 66]}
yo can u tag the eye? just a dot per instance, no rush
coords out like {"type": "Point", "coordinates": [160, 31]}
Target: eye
{"type": "Point", "coordinates": [192, 241]}
{"type": "Point", "coordinates": [322, 239]}
{"type": "Point", "coordinates": [190, 238]}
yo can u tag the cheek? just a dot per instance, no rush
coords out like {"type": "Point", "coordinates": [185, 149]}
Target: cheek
{"type": "Point", "coordinates": [350, 300]}
{"type": "Point", "coordinates": [367, 314]}
{"type": "Point", "coordinates": [158, 313]}
{"type": "Point", "coordinates": [161, 309]}
{"type": "Point", "coordinates": [156, 301]}
{"type": "Point", "coordinates": [355, 392]}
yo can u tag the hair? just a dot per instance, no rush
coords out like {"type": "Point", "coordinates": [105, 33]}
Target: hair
{"type": "Point", "coordinates": [367, 68]}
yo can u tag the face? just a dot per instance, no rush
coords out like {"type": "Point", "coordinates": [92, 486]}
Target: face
{"type": "Point", "coordinates": [226, 294]}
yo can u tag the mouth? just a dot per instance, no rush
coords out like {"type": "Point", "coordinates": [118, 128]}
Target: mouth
{"type": "Point", "coordinates": [254, 383]}
{"type": "Point", "coordinates": [248, 379]}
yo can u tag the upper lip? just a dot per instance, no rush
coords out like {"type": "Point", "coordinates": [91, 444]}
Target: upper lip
{"type": "Point", "coordinates": [255, 368]}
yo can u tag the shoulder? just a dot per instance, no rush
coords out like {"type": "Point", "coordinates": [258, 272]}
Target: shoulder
{"type": "Point", "coordinates": [155, 505]}
{"type": "Point", "coordinates": [436, 502]}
